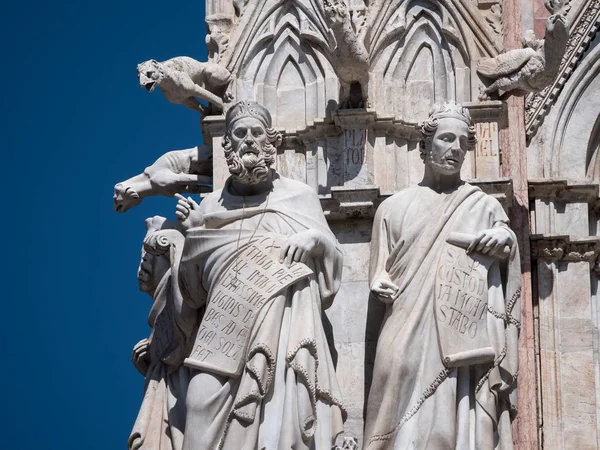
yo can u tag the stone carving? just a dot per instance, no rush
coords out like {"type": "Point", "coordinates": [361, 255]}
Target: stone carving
{"type": "Point", "coordinates": [161, 421]}
{"type": "Point", "coordinates": [584, 27]}
{"type": "Point", "coordinates": [182, 79]}
{"type": "Point", "coordinates": [446, 264]}
{"type": "Point", "coordinates": [555, 6]}
{"type": "Point", "coordinates": [348, 443]}
{"type": "Point", "coordinates": [350, 57]}
{"type": "Point", "coordinates": [562, 248]}
{"type": "Point", "coordinates": [217, 39]}
{"type": "Point", "coordinates": [188, 170]}
{"type": "Point", "coordinates": [529, 69]}
{"type": "Point", "coordinates": [259, 256]}
{"type": "Point", "coordinates": [494, 18]}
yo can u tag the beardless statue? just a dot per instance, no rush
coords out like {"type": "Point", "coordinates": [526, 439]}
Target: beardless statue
{"type": "Point", "coordinates": [446, 264]}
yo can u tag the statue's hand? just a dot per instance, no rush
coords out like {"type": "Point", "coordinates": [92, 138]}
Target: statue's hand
{"type": "Point", "coordinates": [140, 356]}
{"type": "Point", "coordinates": [384, 289]}
{"type": "Point", "coordinates": [188, 212]}
{"type": "Point", "coordinates": [491, 242]}
{"type": "Point", "coordinates": [302, 246]}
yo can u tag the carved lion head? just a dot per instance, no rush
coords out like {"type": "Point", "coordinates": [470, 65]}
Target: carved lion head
{"type": "Point", "coordinates": [150, 74]}
{"type": "Point", "coordinates": [125, 198]}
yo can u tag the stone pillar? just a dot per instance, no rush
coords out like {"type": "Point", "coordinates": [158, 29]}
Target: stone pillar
{"type": "Point", "coordinates": [213, 130]}
{"type": "Point", "coordinates": [514, 165]}
{"type": "Point", "coordinates": [565, 255]}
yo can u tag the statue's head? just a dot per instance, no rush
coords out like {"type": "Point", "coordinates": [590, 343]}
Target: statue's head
{"type": "Point", "coordinates": [125, 198]}
{"type": "Point", "coordinates": [150, 74]}
{"type": "Point", "coordinates": [446, 136]}
{"type": "Point", "coordinates": [250, 142]}
{"type": "Point", "coordinates": [153, 265]}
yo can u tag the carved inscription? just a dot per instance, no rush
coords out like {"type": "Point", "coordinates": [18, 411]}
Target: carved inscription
{"type": "Point", "coordinates": [461, 305]}
{"type": "Point", "coordinates": [355, 156]}
{"type": "Point", "coordinates": [487, 139]}
{"type": "Point", "coordinates": [487, 152]}
{"type": "Point", "coordinates": [251, 280]}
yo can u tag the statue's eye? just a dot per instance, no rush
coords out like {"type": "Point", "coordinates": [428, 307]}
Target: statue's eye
{"type": "Point", "coordinates": [257, 132]}
{"type": "Point", "coordinates": [240, 132]}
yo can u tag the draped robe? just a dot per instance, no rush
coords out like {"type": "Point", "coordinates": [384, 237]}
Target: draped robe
{"type": "Point", "coordinates": [415, 402]}
{"type": "Point", "coordinates": [287, 395]}
{"type": "Point", "coordinates": [161, 420]}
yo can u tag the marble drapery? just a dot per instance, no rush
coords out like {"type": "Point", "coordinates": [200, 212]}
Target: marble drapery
{"type": "Point", "coordinates": [415, 401]}
{"type": "Point", "coordinates": [287, 395]}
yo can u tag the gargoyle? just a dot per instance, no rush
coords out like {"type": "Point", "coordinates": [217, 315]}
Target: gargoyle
{"type": "Point", "coordinates": [350, 57]}
{"type": "Point", "coordinates": [529, 69]}
{"type": "Point", "coordinates": [188, 170]}
{"type": "Point", "coordinates": [182, 79]}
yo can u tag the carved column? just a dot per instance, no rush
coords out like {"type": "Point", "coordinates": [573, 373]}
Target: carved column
{"type": "Point", "coordinates": [514, 165]}
{"type": "Point", "coordinates": [213, 130]}
{"type": "Point", "coordinates": [565, 256]}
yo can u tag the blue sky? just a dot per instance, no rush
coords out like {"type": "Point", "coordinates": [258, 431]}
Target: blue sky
{"type": "Point", "coordinates": [74, 122]}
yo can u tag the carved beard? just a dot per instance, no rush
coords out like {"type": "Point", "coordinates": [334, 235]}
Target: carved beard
{"type": "Point", "coordinates": [249, 168]}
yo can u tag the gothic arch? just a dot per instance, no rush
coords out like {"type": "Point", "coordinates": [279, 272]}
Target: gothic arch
{"type": "Point", "coordinates": [422, 66]}
{"type": "Point", "coordinates": [287, 70]}
{"type": "Point", "coordinates": [575, 137]}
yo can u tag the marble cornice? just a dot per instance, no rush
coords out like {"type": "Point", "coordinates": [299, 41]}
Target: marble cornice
{"type": "Point", "coordinates": [563, 189]}
{"type": "Point", "coordinates": [489, 111]}
{"type": "Point", "coordinates": [346, 203]}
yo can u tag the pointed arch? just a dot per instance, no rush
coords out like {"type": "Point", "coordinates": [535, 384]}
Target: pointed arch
{"type": "Point", "coordinates": [291, 76]}
{"type": "Point", "coordinates": [420, 68]}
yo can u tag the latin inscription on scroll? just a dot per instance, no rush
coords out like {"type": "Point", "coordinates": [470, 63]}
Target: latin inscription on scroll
{"type": "Point", "coordinates": [461, 302]}
{"type": "Point", "coordinates": [250, 281]}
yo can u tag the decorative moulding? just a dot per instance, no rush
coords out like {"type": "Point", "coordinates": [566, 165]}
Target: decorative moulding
{"type": "Point", "coordinates": [488, 111]}
{"type": "Point", "coordinates": [563, 189]}
{"type": "Point", "coordinates": [361, 202]}
{"type": "Point", "coordinates": [562, 248]}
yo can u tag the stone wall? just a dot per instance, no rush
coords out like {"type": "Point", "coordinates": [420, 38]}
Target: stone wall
{"type": "Point", "coordinates": [283, 55]}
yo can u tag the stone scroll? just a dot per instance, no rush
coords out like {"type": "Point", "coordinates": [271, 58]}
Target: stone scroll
{"type": "Point", "coordinates": [461, 300]}
{"type": "Point", "coordinates": [252, 279]}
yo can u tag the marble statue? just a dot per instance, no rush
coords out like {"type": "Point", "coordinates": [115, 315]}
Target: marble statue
{"type": "Point", "coordinates": [261, 259]}
{"type": "Point", "coordinates": [350, 57]}
{"type": "Point", "coordinates": [446, 264]}
{"type": "Point", "coordinates": [188, 170]}
{"type": "Point", "coordinates": [528, 69]}
{"type": "Point", "coordinates": [182, 79]}
{"type": "Point", "coordinates": [161, 420]}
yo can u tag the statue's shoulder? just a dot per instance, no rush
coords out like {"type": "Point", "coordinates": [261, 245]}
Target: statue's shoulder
{"type": "Point", "coordinates": [399, 201]}
{"type": "Point", "coordinates": [212, 201]}
{"type": "Point", "coordinates": [402, 196]}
